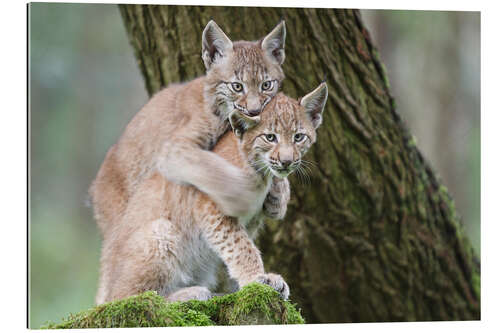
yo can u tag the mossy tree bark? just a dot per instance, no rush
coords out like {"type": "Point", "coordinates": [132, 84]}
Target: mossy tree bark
{"type": "Point", "coordinates": [374, 236]}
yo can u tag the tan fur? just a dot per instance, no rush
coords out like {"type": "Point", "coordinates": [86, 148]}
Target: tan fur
{"type": "Point", "coordinates": [174, 239]}
{"type": "Point", "coordinates": [174, 130]}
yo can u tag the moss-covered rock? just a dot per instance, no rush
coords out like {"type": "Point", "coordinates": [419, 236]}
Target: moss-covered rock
{"type": "Point", "coordinates": [253, 305]}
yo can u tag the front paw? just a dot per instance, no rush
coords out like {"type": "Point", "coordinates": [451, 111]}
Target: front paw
{"type": "Point", "coordinates": [274, 208]}
{"type": "Point", "coordinates": [276, 282]}
{"type": "Point", "coordinates": [239, 204]}
{"type": "Point", "coordinates": [237, 196]}
{"type": "Point", "coordinates": [190, 293]}
{"type": "Point", "coordinates": [277, 199]}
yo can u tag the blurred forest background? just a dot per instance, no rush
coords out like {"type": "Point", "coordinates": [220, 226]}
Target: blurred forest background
{"type": "Point", "coordinates": [85, 86]}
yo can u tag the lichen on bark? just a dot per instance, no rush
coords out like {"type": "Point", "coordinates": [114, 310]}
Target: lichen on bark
{"type": "Point", "coordinates": [254, 304]}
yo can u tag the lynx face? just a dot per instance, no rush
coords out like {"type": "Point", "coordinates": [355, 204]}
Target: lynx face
{"type": "Point", "coordinates": [286, 130]}
{"type": "Point", "coordinates": [243, 75]}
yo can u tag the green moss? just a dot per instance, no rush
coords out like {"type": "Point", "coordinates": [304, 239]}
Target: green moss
{"type": "Point", "coordinates": [386, 77]}
{"type": "Point", "coordinates": [413, 141]}
{"type": "Point", "coordinates": [254, 304]}
{"type": "Point", "coordinates": [383, 68]}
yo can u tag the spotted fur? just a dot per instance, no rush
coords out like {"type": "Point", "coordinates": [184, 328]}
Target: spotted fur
{"type": "Point", "coordinates": [175, 239]}
{"type": "Point", "coordinates": [173, 132]}
{"type": "Point", "coordinates": [168, 141]}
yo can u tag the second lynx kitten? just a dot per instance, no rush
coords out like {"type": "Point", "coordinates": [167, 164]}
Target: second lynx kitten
{"type": "Point", "coordinates": [174, 239]}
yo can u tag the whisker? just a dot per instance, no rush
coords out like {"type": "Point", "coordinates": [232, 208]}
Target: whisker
{"type": "Point", "coordinates": [259, 165]}
{"type": "Point", "coordinates": [261, 168]}
{"type": "Point", "coordinates": [307, 168]}
{"type": "Point", "coordinates": [297, 174]}
{"type": "Point", "coordinates": [304, 177]}
{"type": "Point", "coordinates": [300, 175]}
{"type": "Point", "coordinates": [310, 163]}
{"type": "Point", "coordinates": [303, 171]}
{"type": "Point", "coordinates": [268, 172]}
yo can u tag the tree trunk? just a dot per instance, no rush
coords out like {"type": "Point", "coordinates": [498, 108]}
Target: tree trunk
{"type": "Point", "coordinates": [374, 236]}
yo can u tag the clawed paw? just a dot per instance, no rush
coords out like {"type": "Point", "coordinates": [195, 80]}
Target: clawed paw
{"type": "Point", "coordinates": [276, 282]}
{"type": "Point", "coordinates": [274, 209]}
{"type": "Point", "coordinates": [190, 293]}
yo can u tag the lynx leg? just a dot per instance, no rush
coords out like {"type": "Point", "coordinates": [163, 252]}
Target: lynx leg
{"type": "Point", "coordinates": [224, 183]}
{"type": "Point", "coordinates": [103, 284]}
{"type": "Point", "coordinates": [242, 258]}
{"type": "Point", "coordinates": [108, 193]}
{"type": "Point", "coordinates": [231, 242]}
{"type": "Point", "coordinates": [138, 260]}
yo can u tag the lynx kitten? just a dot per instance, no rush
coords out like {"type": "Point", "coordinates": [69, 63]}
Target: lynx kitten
{"type": "Point", "coordinates": [175, 130]}
{"type": "Point", "coordinates": [174, 238]}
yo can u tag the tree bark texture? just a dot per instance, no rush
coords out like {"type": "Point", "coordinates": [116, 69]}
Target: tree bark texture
{"type": "Point", "coordinates": [373, 235]}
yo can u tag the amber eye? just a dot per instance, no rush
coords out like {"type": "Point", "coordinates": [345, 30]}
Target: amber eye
{"type": "Point", "coordinates": [299, 137]}
{"type": "Point", "coordinates": [270, 137]}
{"type": "Point", "coordinates": [267, 85]}
{"type": "Point", "coordinates": [238, 87]}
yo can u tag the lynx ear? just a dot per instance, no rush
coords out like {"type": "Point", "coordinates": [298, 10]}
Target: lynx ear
{"type": "Point", "coordinates": [242, 123]}
{"type": "Point", "coordinates": [215, 44]}
{"type": "Point", "coordinates": [314, 103]}
{"type": "Point", "coordinates": [274, 43]}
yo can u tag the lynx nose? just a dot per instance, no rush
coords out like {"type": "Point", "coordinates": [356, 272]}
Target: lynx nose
{"type": "Point", "coordinates": [286, 163]}
{"type": "Point", "coordinates": [253, 113]}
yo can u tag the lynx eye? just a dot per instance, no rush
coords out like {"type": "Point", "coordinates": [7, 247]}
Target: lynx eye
{"type": "Point", "coordinates": [270, 137]}
{"type": "Point", "coordinates": [299, 137]}
{"type": "Point", "coordinates": [267, 85]}
{"type": "Point", "coordinates": [238, 87]}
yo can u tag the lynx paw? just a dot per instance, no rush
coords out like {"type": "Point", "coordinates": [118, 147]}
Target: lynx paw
{"type": "Point", "coordinates": [239, 203]}
{"type": "Point", "coordinates": [273, 208]}
{"type": "Point", "coordinates": [277, 199]}
{"type": "Point", "coordinates": [276, 282]}
{"type": "Point", "coordinates": [190, 293]}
